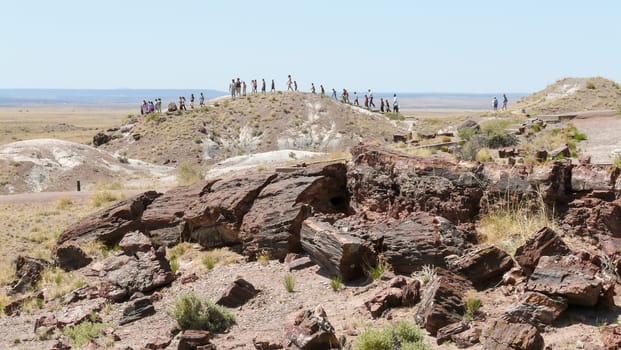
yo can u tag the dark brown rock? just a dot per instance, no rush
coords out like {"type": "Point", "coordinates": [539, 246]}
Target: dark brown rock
{"type": "Point", "coordinates": [553, 181]}
{"type": "Point", "coordinates": [395, 293]}
{"type": "Point", "coordinates": [14, 307]}
{"type": "Point", "coordinates": [442, 301]}
{"type": "Point", "coordinates": [536, 309]}
{"type": "Point", "coordinates": [592, 216]}
{"type": "Point", "coordinates": [420, 239]}
{"type": "Point", "coordinates": [469, 337]}
{"type": "Point", "coordinates": [160, 342]}
{"type": "Point", "coordinates": [110, 224]}
{"type": "Point", "coordinates": [215, 218]}
{"type": "Point", "coordinates": [84, 292]}
{"type": "Point", "coordinates": [140, 272]}
{"type": "Point", "coordinates": [300, 264]}
{"type": "Point", "coordinates": [447, 332]}
{"type": "Point", "coordinates": [571, 276]}
{"type": "Point", "coordinates": [164, 217]}
{"type": "Point", "coordinates": [136, 310]}
{"type": "Point", "coordinates": [611, 337]}
{"type": "Point", "coordinates": [172, 107]}
{"type": "Point", "coordinates": [47, 320]}
{"type": "Point", "coordinates": [134, 242]}
{"type": "Point", "coordinates": [395, 183]}
{"type": "Point", "coordinates": [61, 345]}
{"type": "Point", "coordinates": [482, 265]}
{"type": "Point", "coordinates": [311, 330]}
{"type": "Point", "coordinates": [544, 242]}
{"type": "Point", "coordinates": [28, 271]}
{"type": "Point", "coordinates": [237, 293]}
{"type": "Point", "coordinates": [71, 257]}
{"type": "Point", "coordinates": [338, 253]}
{"type": "Point", "coordinates": [501, 335]}
{"type": "Point", "coordinates": [274, 221]}
{"type": "Point", "coordinates": [101, 139]}
{"type": "Point", "coordinates": [189, 278]}
{"type": "Point", "coordinates": [191, 339]}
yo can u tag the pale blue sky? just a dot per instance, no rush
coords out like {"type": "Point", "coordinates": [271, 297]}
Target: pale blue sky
{"type": "Point", "coordinates": [402, 46]}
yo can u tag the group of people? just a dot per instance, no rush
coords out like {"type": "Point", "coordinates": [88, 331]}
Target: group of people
{"type": "Point", "coordinates": [505, 101]}
{"type": "Point", "coordinates": [150, 107]}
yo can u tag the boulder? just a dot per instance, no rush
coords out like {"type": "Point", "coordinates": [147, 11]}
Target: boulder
{"type": "Point", "coordinates": [572, 276]}
{"type": "Point", "coordinates": [139, 272]}
{"type": "Point", "coordinates": [28, 272]}
{"type": "Point", "coordinates": [110, 224]}
{"type": "Point", "coordinates": [469, 337]}
{"type": "Point", "coordinates": [101, 139]}
{"type": "Point", "coordinates": [482, 265]}
{"type": "Point", "coordinates": [442, 301]}
{"type": "Point", "coordinates": [338, 253]}
{"type": "Point", "coordinates": [237, 293]}
{"type": "Point", "coordinates": [501, 335]}
{"type": "Point", "coordinates": [215, 218]}
{"type": "Point", "coordinates": [420, 239]}
{"type": "Point", "coordinates": [136, 310]}
{"type": "Point", "coordinates": [274, 221]}
{"type": "Point", "coordinates": [191, 339]}
{"type": "Point", "coordinates": [78, 312]}
{"type": "Point", "coordinates": [395, 293]}
{"type": "Point", "coordinates": [553, 181]}
{"type": "Point", "coordinates": [134, 242]}
{"type": "Point", "coordinates": [84, 292]}
{"type": "Point", "coordinates": [172, 107]}
{"type": "Point", "coordinates": [592, 216]}
{"type": "Point", "coordinates": [611, 337]}
{"type": "Point", "coordinates": [70, 257]}
{"type": "Point", "coordinates": [447, 332]}
{"type": "Point", "coordinates": [586, 178]}
{"type": "Point", "coordinates": [311, 330]}
{"type": "Point", "coordinates": [397, 184]}
{"type": "Point", "coordinates": [164, 217]}
{"type": "Point", "coordinates": [544, 242]}
{"type": "Point", "coordinates": [536, 309]}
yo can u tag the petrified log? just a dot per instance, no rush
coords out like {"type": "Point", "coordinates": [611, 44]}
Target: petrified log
{"type": "Point", "coordinates": [339, 253]}
{"type": "Point", "coordinates": [483, 265]}
{"type": "Point", "coordinates": [544, 242]}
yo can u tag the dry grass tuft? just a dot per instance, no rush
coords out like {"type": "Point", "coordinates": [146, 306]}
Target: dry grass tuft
{"type": "Point", "coordinates": [103, 198]}
{"type": "Point", "coordinates": [511, 224]}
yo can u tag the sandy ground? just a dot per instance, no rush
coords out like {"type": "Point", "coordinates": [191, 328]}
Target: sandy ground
{"type": "Point", "coordinates": [602, 130]}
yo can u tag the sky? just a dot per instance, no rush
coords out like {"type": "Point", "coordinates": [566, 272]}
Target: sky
{"type": "Point", "coordinates": [402, 46]}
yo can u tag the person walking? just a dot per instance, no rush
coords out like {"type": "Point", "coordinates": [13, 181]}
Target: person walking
{"type": "Point", "coordinates": [381, 105]}
{"type": "Point", "coordinates": [263, 85]}
{"type": "Point", "coordinates": [495, 104]}
{"type": "Point", "coordinates": [505, 101]}
{"type": "Point", "coordinates": [356, 99]}
{"type": "Point", "coordinates": [191, 101]}
{"type": "Point", "coordinates": [289, 83]}
{"type": "Point", "coordinates": [295, 85]}
{"type": "Point", "coordinates": [371, 99]}
{"type": "Point", "coordinates": [273, 89]}
{"type": "Point", "coordinates": [158, 105]}
{"type": "Point", "coordinates": [312, 88]}
{"type": "Point", "coordinates": [201, 100]}
{"type": "Point", "coordinates": [323, 91]}
{"type": "Point", "coordinates": [243, 88]}
{"type": "Point", "coordinates": [395, 104]}
{"type": "Point", "coordinates": [232, 88]}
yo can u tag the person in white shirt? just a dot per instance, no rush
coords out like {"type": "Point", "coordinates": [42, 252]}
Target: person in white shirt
{"type": "Point", "coordinates": [395, 104]}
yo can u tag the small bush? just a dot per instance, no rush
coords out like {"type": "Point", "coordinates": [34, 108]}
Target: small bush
{"type": "Point", "coordinates": [472, 304]}
{"type": "Point", "coordinates": [616, 162]}
{"type": "Point", "coordinates": [289, 282]}
{"type": "Point", "coordinates": [209, 261]}
{"type": "Point", "coordinates": [376, 272]}
{"type": "Point", "coordinates": [402, 335]}
{"type": "Point", "coordinates": [82, 333]}
{"type": "Point", "coordinates": [446, 139]}
{"type": "Point", "coordinates": [190, 312]}
{"type": "Point", "coordinates": [174, 265]}
{"type": "Point", "coordinates": [104, 198]}
{"type": "Point", "coordinates": [264, 258]}
{"type": "Point", "coordinates": [425, 274]}
{"type": "Point", "coordinates": [336, 283]}
{"type": "Point", "coordinates": [483, 155]}
{"type": "Point", "coordinates": [188, 173]}
{"type": "Point", "coordinates": [590, 85]}
{"type": "Point", "coordinates": [64, 203]}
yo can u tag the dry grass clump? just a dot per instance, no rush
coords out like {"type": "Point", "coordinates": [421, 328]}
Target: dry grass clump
{"type": "Point", "coordinates": [509, 225]}
{"type": "Point", "coordinates": [58, 282]}
{"type": "Point", "coordinates": [220, 257]}
{"type": "Point", "coordinates": [102, 198]}
{"type": "Point", "coordinates": [188, 173]}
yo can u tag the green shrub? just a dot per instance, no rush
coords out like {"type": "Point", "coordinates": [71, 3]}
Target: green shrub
{"type": "Point", "coordinates": [289, 282]}
{"type": "Point", "coordinates": [103, 198]}
{"type": "Point", "coordinates": [616, 162]}
{"type": "Point", "coordinates": [483, 155]}
{"type": "Point", "coordinates": [209, 261]}
{"type": "Point", "coordinates": [466, 134]}
{"type": "Point", "coordinates": [82, 333]}
{"type": "Point", "coordinates": [376, 272]}
{"type": "Point", "coordinates": [402, 335]}
{"type": "Point", "coordinates": [336, 283]}
{"type": "Point", "coordinates": [590, 85]}
{"type": "Point", "coordinates": [190, 312]}
{"type": "Point", "coordinates": [472, 304]}
{"type": "Point", "coordinates": [174, 265]}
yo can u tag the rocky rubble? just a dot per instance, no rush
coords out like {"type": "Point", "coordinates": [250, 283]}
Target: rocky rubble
{"type": "Point", "coordinates": [383, 209]}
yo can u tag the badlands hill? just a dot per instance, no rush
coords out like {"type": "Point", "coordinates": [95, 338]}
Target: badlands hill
{"type": "Point", "coordinates": [573, 95]}
{"type": "Point", "coordinates": [248, 125]}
